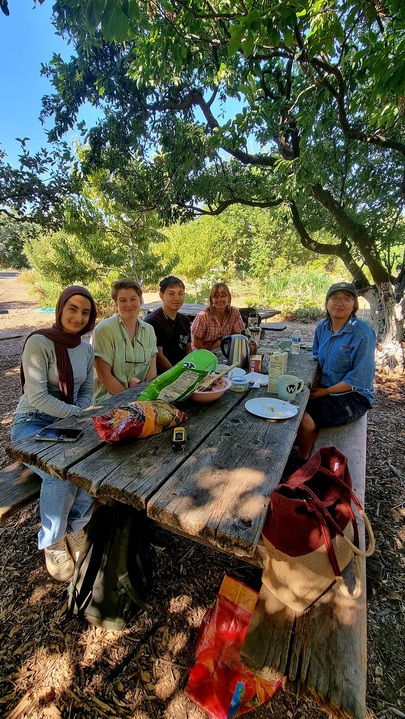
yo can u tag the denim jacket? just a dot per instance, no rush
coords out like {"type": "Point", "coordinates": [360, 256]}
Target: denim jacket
{"type": "Point", "coordinates": [346, 356]}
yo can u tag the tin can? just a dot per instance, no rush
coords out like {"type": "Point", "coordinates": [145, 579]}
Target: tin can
{"type": "Point", "coordinates": [256, 363]}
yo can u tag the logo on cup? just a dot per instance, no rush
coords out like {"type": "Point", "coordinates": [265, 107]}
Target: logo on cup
{"type": "Point", "coordinates": [289, 386]}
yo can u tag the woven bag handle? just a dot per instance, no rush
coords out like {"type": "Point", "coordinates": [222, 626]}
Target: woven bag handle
{"type": "Point", "coordinates": [334, 562]}
{"type": "Point", "coordinates": [354, 547]}
{"type": "Point", "coordinates": [371, 539]}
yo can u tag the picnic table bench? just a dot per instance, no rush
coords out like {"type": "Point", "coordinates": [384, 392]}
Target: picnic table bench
{"type": "Point", "coordinates": [217, 493]}
{"type": "Point", "coordinates": [321, 653]}
{"type": "Point", "coordinates": [19, 486]}
{"type": "Point", "coordinates": [9, 336]}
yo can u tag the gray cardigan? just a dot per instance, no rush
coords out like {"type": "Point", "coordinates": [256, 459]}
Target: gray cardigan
{"type": "Point", "coordinates": [41, 391]}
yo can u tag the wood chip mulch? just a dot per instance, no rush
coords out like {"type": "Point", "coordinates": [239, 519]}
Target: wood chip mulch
{"type": "Point", "coordinates": [52, 667]}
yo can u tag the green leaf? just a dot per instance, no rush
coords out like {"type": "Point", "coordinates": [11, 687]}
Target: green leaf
{"type": "Point", "coordinates": [133, 10]}
{"type": "Point", "coordinates": [252, 17]}
{"type": "Point", "coordinates": [248, 44]}
{"type": "Point", "coordinates": [288, 37]}
{"type": "Point", "coordinates": [93, 13]}
{"type": "Point", "coordinates": [115, 23]}
{"type": "Point", "coordinates": [236, 32]}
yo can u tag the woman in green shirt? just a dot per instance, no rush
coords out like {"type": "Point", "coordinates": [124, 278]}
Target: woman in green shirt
{"type": "Point", "coordinates": [124, 346]}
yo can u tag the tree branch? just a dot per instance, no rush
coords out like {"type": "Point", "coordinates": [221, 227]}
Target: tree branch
{"type": "Point", "coordinates": [342, 249]}
{"type": "Point", "coordinates": [227, 203]}
{"type": "Point", "coordinates": [355, 230]}
{"type": "Point", "coordinates": [339, 94]}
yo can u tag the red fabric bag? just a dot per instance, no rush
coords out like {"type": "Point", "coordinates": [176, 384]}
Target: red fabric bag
{"type": "Point", "coordinates": [218, 682]}
{"type": "Point", "coordinates": [311, 531]}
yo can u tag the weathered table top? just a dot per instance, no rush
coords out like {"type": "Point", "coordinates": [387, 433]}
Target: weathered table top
{"type": "Point", "coordinates": [215, 492]}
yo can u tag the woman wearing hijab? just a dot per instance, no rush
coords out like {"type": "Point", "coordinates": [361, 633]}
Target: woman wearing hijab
{"type": "Point", "coordinates": [57, 382]}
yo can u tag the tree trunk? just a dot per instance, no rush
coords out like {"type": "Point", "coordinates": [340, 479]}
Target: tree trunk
{"type": "Point", "coordinates": [387, 319]}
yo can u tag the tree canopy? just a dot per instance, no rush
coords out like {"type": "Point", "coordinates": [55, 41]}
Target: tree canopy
{"type": "Point", "coordinates": [36, 190]}
{"type": "Point", "coordinates": [107, 232]}
{"type": "Point", "coordinates": [13, 237]}
{"type": "Point", "coordinates": [298, 103]}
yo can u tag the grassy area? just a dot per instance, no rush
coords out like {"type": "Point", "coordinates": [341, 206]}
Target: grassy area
{"type": "Point", "coordinates": [298, 294]}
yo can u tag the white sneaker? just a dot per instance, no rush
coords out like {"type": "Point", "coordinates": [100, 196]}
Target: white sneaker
{"type": "Point", "coordinates": [75, 543]}
{"type": "Point", "coordinates": [58, 561]}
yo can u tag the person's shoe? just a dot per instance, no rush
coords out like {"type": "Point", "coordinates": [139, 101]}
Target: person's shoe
{"type": "Point", "coordinates": [58, 561]}
{"type": "Point", "coordinates": [75, 543]}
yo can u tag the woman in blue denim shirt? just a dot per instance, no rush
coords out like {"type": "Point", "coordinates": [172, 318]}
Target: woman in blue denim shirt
{"type": "Point", "coordinates": [57, 381]}
{"type": "Point", "coordinates": [345, 348]}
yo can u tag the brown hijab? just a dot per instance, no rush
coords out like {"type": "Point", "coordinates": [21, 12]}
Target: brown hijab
{"type": "Point", "coordinates": [64, 341]}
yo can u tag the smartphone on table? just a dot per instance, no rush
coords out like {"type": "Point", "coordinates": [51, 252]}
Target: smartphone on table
{"type": "Point", "coordinates": [58, 434]}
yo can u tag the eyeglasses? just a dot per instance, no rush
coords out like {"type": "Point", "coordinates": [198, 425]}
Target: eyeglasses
{"type": "Point", "coordinates": [344, 300]}
{"type": "Point", "coordinates": [131, 361]}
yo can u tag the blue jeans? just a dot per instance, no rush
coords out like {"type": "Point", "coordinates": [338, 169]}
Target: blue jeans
{"type": "Point", "coordinates": [64, 508]}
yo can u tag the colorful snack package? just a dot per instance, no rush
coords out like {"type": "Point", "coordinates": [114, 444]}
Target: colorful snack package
{"type": "Point", "coordinates": [137, 419]}
{"type": "Point", "coordinates": [218, 682]}
{"type": "Point", "coordinates": [180, 381]}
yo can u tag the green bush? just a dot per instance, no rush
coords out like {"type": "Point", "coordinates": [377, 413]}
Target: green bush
{"type": "Point", "coordinates": [305, 316]}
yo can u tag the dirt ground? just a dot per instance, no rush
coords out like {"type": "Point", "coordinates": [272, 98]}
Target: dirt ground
{"type": "Point", "coordinates": [52, 667]}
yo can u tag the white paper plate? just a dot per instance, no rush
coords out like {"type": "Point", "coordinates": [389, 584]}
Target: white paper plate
{"type": "Point", "coordinates": [270, 408]}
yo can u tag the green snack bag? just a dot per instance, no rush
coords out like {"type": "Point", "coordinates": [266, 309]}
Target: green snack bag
{"type": "Point", "coordinates": [178, 382]}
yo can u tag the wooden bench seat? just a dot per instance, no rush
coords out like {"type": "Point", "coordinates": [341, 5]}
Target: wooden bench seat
{"type": "Point", "coordinates": [321, 653]}
{"type": "Point", "coordinates": [9, 336]}
{"type": "Point", "coordinates": [19, 486]}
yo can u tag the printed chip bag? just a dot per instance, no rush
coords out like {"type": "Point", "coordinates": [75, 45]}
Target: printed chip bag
{"type": "Point", "coordinates": [180, 381]}
{"type": "Point", "coordinates": [218, 682]}
{"type": "Point", "coordinates": [137, 419]}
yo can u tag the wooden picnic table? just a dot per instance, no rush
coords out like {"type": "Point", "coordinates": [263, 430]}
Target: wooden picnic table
{"type": "Point", "coordinates": [193, 309]}
{"type": "Point", "coordinates": [215, 492]}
